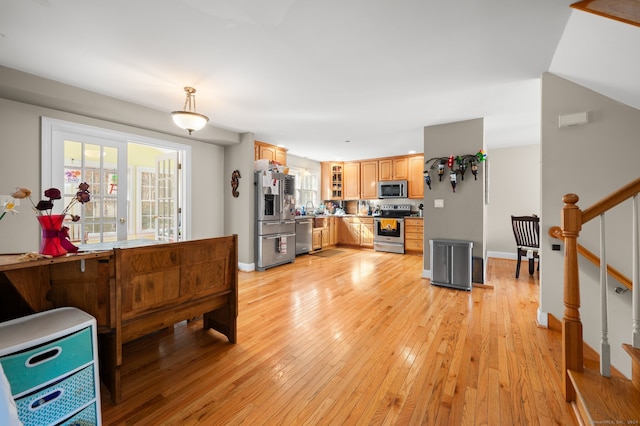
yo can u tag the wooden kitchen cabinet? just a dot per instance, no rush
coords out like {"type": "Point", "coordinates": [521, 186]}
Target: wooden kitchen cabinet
{"type": "Point", "coordinates": [349, 231]}
{"type": "Point", "coordinates": [369, 180]}
{"type": "Point", "coordinates": [333, 231]}
{"type": "Point", "coordinates": [325, 233]}
{"type": "Point", "coordinates": [316, 243]}
{"type": "Point", "coordinates": [393, 168]}
{"type": "Point", "coordinates": [265, 151]}
{"type": "Point", "coordinates": [366, 232]}
{"type": "Point", "coordinates": [414, 234]}
{"type": "Point", "coordinates": [416, 176]}
{"type": "Point", "coordinates": [332, 181]}
{"type": "Point", "coordinates": [351, 175]}
{"type": "Point", "coordinates": [356, 231]}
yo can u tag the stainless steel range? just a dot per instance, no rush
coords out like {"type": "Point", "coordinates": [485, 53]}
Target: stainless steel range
{"type": "Point", "coordinates": [388, 233]}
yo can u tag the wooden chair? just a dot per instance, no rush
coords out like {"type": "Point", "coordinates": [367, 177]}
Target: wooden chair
{"type": "Point", "coordinates": [526, 230]}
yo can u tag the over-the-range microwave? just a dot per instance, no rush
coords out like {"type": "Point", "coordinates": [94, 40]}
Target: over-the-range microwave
{"type": "Point", "coordinates": [392, 189]}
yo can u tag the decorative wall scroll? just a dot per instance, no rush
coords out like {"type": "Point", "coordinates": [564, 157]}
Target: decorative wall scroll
{"type": "Point", "coordinates": [457, 166]}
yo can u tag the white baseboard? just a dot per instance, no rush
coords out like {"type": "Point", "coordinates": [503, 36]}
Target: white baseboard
{"type": "Point", "coordinates": [246, 267]}
{"type": "Point", "coordinates": [426, 273]}
{"type": "Point", "coordinates": [542, 318]}
{"type": "Point", "coordinates": [502, 255]}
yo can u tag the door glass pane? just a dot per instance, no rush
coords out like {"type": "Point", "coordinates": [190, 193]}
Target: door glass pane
{"type": "Point", "coordinates": [97, 165]}
{"type": "Point", "coordinates": [166, 173]}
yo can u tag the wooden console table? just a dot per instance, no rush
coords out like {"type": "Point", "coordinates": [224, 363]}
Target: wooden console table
{"type": "Point", "coordinates": [133, 291]}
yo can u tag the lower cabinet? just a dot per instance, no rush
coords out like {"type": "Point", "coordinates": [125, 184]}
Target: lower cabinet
{"type": "Point", "coordinates": [414, 234]}
{"type": "Point", "coordinates": [366, 232]}
{"type": "Point", "coordinates": [333, 231]}
{"type": "Point", "coordinates": [50, 362]}
{"type": "Point", "coordinates": [316, 243]}
{"type": "Point", "coordinates": [324, 233]}
{"type": "Point", "coordinates": [356, 231]}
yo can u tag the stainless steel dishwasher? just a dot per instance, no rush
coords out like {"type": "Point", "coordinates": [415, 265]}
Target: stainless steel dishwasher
{"type": "Point", "coordinates": [304, 234]}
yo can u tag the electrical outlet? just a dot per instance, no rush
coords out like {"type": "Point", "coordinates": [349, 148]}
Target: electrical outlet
{"type": "Point", "coordinates": [438, 204]}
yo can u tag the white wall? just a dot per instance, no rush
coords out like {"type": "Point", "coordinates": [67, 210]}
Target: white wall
{"type": "Point", "coordinates": [239, 212]}
{"type": "Point", "coordinates": [514, 189]}
{"type": "Point", "coordinates": [591, 160]}
{"type": "Point", "coordinates": [20, 163]}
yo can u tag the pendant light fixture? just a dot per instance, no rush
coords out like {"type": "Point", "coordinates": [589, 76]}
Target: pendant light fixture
{"type": "Point", "coordinates": [189, 119]}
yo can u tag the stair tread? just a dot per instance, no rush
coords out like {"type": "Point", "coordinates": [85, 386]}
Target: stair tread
{"type": "Point", "coordinates": [606, 399]}
{"type": "Point", "coordinates": [633, 352]}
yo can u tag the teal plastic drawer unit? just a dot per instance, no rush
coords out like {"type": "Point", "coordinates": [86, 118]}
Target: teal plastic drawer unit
{"type": "Point", "coordinates": [55, 402]}
{"type": "Point", "coordinates": [50, 361]}
{"type": "Point", "coordinates": [87, 416]}
{"type": "Point", "coordinates": [46, 363]}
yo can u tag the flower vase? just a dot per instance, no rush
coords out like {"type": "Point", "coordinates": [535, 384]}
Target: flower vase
{"type": "Point", "coordinates": [51, 226]}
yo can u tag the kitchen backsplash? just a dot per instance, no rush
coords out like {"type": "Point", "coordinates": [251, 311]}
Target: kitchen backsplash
{"type": "Point", "coordinates": [358, 207]}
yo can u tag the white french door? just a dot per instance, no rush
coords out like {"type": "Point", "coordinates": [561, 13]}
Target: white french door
{"type": "Point", "coordinates": [167, 198]}
{"type": "Point", "coordinates": [102, 163]}
{"type": "Point", "coordinates": [109, 161]}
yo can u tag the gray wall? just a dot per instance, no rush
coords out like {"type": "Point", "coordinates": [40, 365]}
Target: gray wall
{"type": "Point", "coordinates": [24, 99]}
{"type": "Point", "coordinates": [592, 161]}
{"type": "Point", "coordinates": [463, 215]}
{"type": "Point", "coordinates": [239, 212]}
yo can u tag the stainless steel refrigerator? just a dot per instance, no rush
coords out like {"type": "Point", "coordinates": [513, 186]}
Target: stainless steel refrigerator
{"type": "Point", "coordinates": [275, 219]}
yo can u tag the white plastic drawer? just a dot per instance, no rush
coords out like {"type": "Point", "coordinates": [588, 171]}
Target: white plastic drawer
{"type": "Point", "coordinates": [35, 367]}
{"type": "Point", "coordinates": [55, 402]}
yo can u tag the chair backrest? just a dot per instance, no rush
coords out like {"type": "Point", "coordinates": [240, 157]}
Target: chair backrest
{"type": "Point", "coordinates": [526, 230]}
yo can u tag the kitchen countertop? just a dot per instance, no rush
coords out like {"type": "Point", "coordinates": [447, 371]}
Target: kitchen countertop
{"type": "Point", "coordinates": [320, 216]}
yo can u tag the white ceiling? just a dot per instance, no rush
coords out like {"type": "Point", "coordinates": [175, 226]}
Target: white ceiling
{"type": "Point", "coordinates": [311, 75]}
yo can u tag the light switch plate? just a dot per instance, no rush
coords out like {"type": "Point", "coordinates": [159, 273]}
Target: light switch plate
{"type": "Point", "coordinates": [438, 204]}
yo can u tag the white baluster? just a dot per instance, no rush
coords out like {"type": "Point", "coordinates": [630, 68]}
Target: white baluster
{"type": "Point", "coordinates": [605, 351]}
{"type": "Point", "coordinates": [636, 289]}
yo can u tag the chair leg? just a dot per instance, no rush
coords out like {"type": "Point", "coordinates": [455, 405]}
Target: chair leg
{"type": "Point", "coordinates": [518, 267]}
{"type": "Point", "coordinates": [532, 266]}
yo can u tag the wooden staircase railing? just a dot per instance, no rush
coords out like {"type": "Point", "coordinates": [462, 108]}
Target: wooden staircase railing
{"type": "Point", "coordinates": [572, 337]}
{"type": "Point", "coordinates": [556, 232]}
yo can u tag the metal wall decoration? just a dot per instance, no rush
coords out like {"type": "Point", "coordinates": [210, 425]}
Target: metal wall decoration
{"type": "Point", "coordinates": [457, 165]}
{"type": "Point", "coordinates": [235, 181]}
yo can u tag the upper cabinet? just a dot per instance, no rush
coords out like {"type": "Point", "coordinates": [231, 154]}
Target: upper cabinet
{"type": "Point", "coordinates": [332, 181]}
{"type": "Point", "coordinates": [369, 180]}
{"type": "Point", "coordinates": [351, 181]}
{"type": "Point", "coordinates": [359, 180]}
{"type": "Point", "coordinates": [393, 168]}
{"type": "Point", "coordinates": [265, 151]}
{"type": "Point", "coordinates": [416, 176]}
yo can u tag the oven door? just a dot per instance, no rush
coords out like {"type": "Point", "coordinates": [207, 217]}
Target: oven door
{"type": "Point", "coordinates": [388, 235]}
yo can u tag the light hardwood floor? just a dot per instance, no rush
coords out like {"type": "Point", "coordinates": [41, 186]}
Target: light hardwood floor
{"type": "Point", "coordinates": [358, 338]}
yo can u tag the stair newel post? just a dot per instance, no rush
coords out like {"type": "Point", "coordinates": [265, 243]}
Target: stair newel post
{"type": "Point", "coordinates": [635, 302]}
{"type": "Point", "coordinates": [572, 354]}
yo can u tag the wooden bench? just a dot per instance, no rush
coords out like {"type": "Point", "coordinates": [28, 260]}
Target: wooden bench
{"type": "Point", "coordinates": [135, 291]}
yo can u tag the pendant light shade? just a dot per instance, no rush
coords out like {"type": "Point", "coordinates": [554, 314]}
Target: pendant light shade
{"type": "Point", "coordinates": [189, 119]}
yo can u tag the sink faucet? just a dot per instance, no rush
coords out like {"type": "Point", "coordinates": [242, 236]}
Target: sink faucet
{"type": "Point", "coordinates": [306, 206]}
